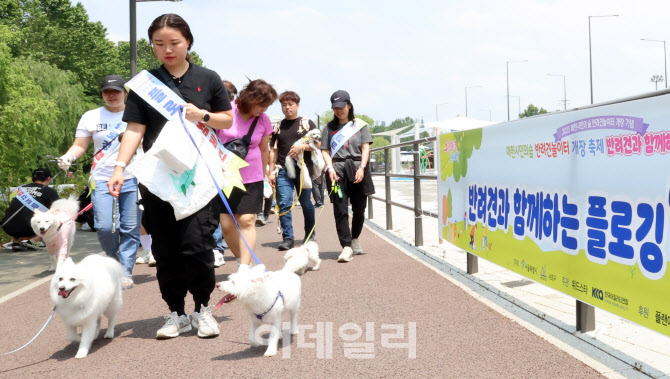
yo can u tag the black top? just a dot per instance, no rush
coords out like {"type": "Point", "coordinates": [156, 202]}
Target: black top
{"type": "Point", "coordinates": [285, 136]}
{"type": "Point", "coordinates": [199, 86]}
{"type": "Point", "coordinates": [19, 225]}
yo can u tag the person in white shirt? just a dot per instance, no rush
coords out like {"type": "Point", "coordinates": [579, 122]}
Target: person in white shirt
{"type": "Point", "coordinates": [105, 127]}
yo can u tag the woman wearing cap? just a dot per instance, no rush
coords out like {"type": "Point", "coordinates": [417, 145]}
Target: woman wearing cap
{"type": "Point", "coordinates": [104, 126]}
{"type": "Point", "coordinates": [346, 149]}
{"type": "Point", "coordinates": [182, 248]}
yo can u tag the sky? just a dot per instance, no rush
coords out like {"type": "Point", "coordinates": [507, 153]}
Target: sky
{"type": "Point", "coordinates": [415, 59]}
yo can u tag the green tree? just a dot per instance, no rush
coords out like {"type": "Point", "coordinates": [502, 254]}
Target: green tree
{"type": "Point", "coordinates": [26, 117]}
{"type": "Point", "coordinates": [379, 141]}
{"type": "Point", "coordinates": [61, 88]}
{"type": "Point", "coordinates": [56, 32]}
{"type": "Point", "coordinates": [532, 111]}
{"type": "Point", "coordinates": [369, 120]}
{"type": "Point", "coordinates": [326, 117]}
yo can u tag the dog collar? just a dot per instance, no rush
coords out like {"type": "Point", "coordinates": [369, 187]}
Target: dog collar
{"type": "Point", "coordinates": [59, 226]}
{"type": "Point", "coordinates": [279, 294]}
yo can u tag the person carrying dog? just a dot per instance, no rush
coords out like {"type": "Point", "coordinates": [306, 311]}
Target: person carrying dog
{"type": "Point", "coordinates": [249, 119]}
{"type": "Point", "coordinates": [182, 249]}
{"type": "Point", "coordinates": [346, 149]}
{"type": "Point", "coordinates": [105, 127]}
{"type": "Point", "coordinates": [16, 222]}
{"type": "Point", "coordinates": [291, 129]}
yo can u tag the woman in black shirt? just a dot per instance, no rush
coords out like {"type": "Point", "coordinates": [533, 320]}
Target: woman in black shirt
{"type": "Point", "coordinates": [182, 249]}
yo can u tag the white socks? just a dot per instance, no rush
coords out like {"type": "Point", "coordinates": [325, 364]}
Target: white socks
{"type": "Point", "coordinates": [145, 241]}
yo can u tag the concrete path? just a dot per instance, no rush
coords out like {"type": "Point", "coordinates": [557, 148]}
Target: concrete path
{"type": "Point", "coordinates": [369, 302]}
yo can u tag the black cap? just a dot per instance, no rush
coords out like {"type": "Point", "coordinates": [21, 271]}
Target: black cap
{"type": "Point", "coordinates": [340, 99]}
{"type": "Point", "coordinates": [112, 82]}
{"type": "Point", "coordinates": [41, 174]}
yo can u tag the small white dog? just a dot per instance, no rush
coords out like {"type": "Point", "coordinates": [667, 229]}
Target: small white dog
{"type": "Point", "coordinates": [83, 293]}
{"type": "Point", "coordinates": [310, 139]}
{"type": "Point", "coordinates": [266, 296]}
{"type": "Point", "coordinates": [56, 227]}
{"type": "Point", "coordinates": [298, 258]}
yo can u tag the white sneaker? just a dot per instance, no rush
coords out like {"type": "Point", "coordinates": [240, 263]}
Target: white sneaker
{"type": "Point", "coordinates": [205, 323]}
{"type": "Point", "coordinates": [218, 258]}
{"type": "Point", "coordinates": [346, 254]}
{"type": "Point", "coordinates": [356, 246]}
{"type": "Point", "coordinates": [152, 261]}
{"type": "Point", "coordinates": [143, 258]}
{"type": "Point", "coordinates": [127, 283]}
{"type": "Point", "coordinates": [174, 326]}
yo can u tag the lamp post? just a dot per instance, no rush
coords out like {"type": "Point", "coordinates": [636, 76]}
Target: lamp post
{"type": "Point", "coordinates": [518, 98]}
{"type": "Point", "coordinates": [318, 120]}
{"type": "Point", "coordinates": [442, 103]}
{"type": "Point", "coordinates": [133, 34]}
{"type": "Point", "coordinates": [466, 99]}
{"type": "Point", "coordinates": [665, 59]}
{"type": "Point", "coordinates": [565, 98]}
{"type": "Point", "coordinates": [590, 60]}
{"type": "Point", "coordinates": [525, 60]}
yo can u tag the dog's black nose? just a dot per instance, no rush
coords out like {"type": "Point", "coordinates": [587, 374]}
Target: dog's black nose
{"type": "Point", "coordinates": [61, 288]}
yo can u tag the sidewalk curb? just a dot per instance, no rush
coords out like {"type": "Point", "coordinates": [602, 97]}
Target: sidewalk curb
{"type": "Point", "coordinates": [605, 363]}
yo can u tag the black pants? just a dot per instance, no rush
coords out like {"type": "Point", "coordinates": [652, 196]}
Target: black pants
{"type": "Point", "coordinates": [354, 193]}
{"type": "Point", "coordinates": [267, 205]}
{"type": "Point", "coordinates": [317, 190]}
{"type": "Point", "coordinates": [182, 249]}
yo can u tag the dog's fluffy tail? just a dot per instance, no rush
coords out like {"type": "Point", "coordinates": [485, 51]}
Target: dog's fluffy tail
{"type": "Point", "coordinates": [70, 206]}
{"type": "Point", "coordinates": [289, 165]}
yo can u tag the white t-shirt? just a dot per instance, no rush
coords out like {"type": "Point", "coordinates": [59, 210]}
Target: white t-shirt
{"type": "Point", "coordinates": [103, 126]}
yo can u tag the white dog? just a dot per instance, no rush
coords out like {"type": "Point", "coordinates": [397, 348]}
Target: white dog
{"type": "Point", "coordinates": [56, 227]}
{"type": "Point", "coordinates": [298, 258]}
{"type": "Point", "coordinates": [266, 296]}
{"type": "Point", "coordinates": [310, 139]}
{"type": "Point", "coordinates": [83, 293]}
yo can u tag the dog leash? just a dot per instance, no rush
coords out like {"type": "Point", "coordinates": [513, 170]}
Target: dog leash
{"type": "Point", "coordinates": [332, 188]}
{"type": "Point", "coordinates": [221, 195]}
{"type": "Point", "coordinates": [36, 335]}
{"type": "Point", "coordinates": [89, 206]}
{"type": "Point", "coordinates": [279, 294]}
{"type": "Point", "coordinates": [274, 192]}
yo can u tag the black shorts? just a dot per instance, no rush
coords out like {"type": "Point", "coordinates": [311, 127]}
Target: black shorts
{"type": "Point", "coordinates": [244, 202]}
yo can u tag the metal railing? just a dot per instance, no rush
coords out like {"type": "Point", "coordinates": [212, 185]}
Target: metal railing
{"type": "Point", "coordinates": [416, 175]}
{"type": "Point", "coordinates": [585, 313]}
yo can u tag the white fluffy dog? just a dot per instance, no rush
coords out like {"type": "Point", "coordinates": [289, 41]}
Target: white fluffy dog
{"type": "Point", "coordinates": [83, 293]}
{"type": "Point", "coordinates": [56, 227]}
{"type": "Point", "coordinates": [298, 258]}
{"type": "Point", "coordinates": [266, 296]}
{"type": "Point", "coordinates": [310, 139]}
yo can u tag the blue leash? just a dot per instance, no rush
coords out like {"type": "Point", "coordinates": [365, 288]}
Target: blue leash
{"type": "Point", "coordinates": [36, 335]}
{"type": "Point", "coordinates": [221, 195]}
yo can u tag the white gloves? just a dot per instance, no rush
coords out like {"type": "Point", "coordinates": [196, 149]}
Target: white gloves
{"type": "Point", "coordinates": [65, 161]}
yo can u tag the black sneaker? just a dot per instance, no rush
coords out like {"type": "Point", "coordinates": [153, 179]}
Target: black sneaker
{"type": "Point", "coordinates": [287, 244]}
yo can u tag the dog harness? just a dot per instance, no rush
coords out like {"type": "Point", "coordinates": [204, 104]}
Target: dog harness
{"type": "Point", "coordinates": [279, 294]}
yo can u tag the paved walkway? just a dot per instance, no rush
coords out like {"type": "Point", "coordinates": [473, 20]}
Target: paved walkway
{"type": "Point", "coordinates": [378, 295]}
